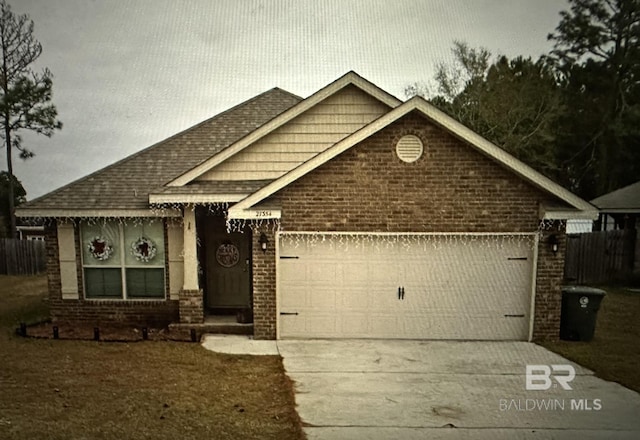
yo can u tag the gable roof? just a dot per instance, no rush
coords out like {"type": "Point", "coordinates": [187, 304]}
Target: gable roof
{"type": "Point", "coordinates": [626, 199]}
{"type": "Point", "coordinates": [126, 184]}
{"type": "Point", "coordinates": [351, 78]}
{"type": "Point", "coordinates": [443, 120]}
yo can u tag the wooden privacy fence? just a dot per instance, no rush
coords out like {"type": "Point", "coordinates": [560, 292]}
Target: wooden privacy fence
{"type": "Point", "coordinates": [599, 257]}
{"type": "Point", "coordinates": [22, 257]}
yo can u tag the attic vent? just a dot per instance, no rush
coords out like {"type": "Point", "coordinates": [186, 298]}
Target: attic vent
{"type": "Point", "coordinates": [409, 148]}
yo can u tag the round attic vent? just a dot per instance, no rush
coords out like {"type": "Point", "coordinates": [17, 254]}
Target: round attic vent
{"type": "Point", "coordinates": [409, 148]}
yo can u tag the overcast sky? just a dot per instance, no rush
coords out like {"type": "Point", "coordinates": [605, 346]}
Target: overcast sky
{"type": "Point", "coordinates": [128, 74]}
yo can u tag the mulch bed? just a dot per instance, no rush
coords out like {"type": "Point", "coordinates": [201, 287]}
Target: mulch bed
{"type": "Point", "coordinates": [106, 332]}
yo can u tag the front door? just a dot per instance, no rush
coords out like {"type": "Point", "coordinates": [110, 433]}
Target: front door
{"type": "Point", "coordinates": [228, 271]}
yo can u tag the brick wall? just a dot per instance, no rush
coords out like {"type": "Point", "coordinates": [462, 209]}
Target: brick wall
{"type": "Point", "coordinates": [134, 312]}
{"type": "Point", "coordinates": [451, 188]}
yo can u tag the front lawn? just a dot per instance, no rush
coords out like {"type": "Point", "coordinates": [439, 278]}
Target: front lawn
{"type": "Point", "coordinates": [614, 352]}
{"type": "Point", "coordinates": [61, 389]}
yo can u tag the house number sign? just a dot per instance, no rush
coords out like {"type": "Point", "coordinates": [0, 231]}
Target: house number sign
{"type": "Point", "coordinates": [227, 255]}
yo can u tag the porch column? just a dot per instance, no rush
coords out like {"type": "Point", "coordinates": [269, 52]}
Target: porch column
{"type": "Point", "coordinates": [191, 303]}
{"type": "Point", "coordinates": [190, 251]}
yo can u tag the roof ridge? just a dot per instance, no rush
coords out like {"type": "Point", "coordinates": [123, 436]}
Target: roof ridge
{"type": "Point", "coordinates": [293, 95]}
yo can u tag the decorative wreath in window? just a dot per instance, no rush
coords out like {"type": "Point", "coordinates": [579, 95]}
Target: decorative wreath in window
{"type": "Point", "coordinates": [100, 248]}
{"type": "Point", "coordinates": [144, 249]}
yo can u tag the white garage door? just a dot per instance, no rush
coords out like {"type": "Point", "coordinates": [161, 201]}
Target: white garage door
{"type": "Point", "coordinates": [407, 286]}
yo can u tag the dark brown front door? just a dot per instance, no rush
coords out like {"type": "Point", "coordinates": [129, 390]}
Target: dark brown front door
{"type": "Point", "coordinates": [228, 270]}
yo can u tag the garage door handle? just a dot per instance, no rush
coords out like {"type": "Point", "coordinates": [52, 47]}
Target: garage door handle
{"type": "Point", "coordinates": [288, 313]}
{"type": "Point", "coordinates": [401, 293]}
{"type": "Point", "coordinates": [514, 316]}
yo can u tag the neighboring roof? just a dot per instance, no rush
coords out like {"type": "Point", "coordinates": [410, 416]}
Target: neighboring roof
{"type": "Point", "coordinates": [126, 185]}
{"type": "Point", "coordinates": [351, 78]}
{"type": "Point", "coordinates": [626, 199]}
{"type": "Point", "coordinates": [438, 117]}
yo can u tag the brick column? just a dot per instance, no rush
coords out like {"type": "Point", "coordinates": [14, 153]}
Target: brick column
{"type": "Point", "coordinates": [264, 285]}
{"type": "Point", "coordinates": [549, 279]}
{"type": "Point", "coordinates": [191, 307]}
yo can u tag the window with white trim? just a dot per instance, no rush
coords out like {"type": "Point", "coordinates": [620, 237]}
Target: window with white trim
{"type": "Point", "coordinates": [123, 261]}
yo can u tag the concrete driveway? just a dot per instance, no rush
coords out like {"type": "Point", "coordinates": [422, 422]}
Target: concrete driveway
{"type": "Point", "coordinates": [384, 389]}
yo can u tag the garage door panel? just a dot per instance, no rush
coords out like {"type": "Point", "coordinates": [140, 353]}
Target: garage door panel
{"type": "Point", "coordinates": [354, 325]}
{"type": "Point", "coordinates": [454, 287]}
{"type": "Point", "coordinates": [324, 272]}
{"type": "Point", "coordinates": [358, 298]}
{"type": "Point", "coordinates": [322, 325]}
{"type": "Point", "coordinates": [455, 327]}
{"type": "Point", "coordinates": [322, 299]}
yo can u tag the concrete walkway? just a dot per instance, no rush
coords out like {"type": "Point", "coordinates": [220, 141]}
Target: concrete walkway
{"type": "Point", "coordinates": [238, 344]}
{"type": "Point", "coordinates": [382, 389]}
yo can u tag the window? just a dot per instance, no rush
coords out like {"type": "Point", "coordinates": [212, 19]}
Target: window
{"type": "Point", "coordinates": [123, 261]}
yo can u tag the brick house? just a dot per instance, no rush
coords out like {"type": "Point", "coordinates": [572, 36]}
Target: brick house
{"type": "Point", "coordinates": [348, 214]}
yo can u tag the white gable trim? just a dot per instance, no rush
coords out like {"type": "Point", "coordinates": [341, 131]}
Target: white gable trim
{"type": "Point", "coordinates": [438, 117]}
{"type": "Point", "coordinates": [350, 78]}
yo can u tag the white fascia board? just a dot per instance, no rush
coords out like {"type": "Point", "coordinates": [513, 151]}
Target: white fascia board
{"type": "Point", "coordinates": [195, 198]}
{"type": "Point", "coordinates": [350, 78]}
{"type": "Point", "coordinates": [570, 215]}
{"type": "Point", "coordinates": [440, 118]}
{"type": "Point", "coordinates": [61, 213]}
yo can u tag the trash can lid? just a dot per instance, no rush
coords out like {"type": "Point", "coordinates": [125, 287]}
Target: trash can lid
{"type": "Point", "coordinates": [583, 290]}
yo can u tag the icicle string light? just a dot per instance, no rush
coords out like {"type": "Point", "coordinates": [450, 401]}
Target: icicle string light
{"type": "Point", "coordinates": [382, 242]}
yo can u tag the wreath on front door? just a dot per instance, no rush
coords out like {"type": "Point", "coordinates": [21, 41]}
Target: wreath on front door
{"type": "Point", "coordinates": [100, 248]}
{"type": "Point", "coordinates": [144, 249]}
{"type": "Point", "coordinates": [227, 255]}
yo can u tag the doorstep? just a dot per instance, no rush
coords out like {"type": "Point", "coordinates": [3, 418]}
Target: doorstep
{"type": "Point", "coordinates": [222, 325]}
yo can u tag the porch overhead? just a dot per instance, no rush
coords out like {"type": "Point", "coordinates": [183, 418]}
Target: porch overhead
{"type": "Point", "coordinates": [207, 192]}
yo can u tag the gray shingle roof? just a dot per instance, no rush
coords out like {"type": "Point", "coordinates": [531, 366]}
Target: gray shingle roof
{"type": "Point", "coordinates": [126, 184]}
{"type": "Point", "coordinates": [623, 199]}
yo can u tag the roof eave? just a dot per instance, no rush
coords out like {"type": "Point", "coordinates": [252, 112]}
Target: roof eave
{"type": "Point", "coordinates": [98, 213]}
{"type": "Point", "coordinates": [620, 210]}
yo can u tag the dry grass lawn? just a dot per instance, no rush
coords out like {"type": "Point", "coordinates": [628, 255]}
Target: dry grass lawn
{"type": "Point", "coordinates": [614, 352]}
{"type": "Point", "coordinates": [61, 389]}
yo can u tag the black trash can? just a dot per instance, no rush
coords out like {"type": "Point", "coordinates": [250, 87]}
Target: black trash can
{"type": "Point", "coordinates": [580, 306]}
